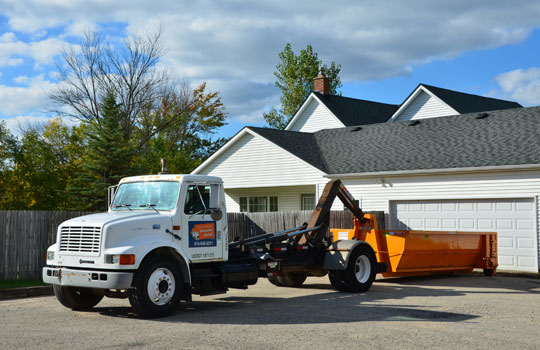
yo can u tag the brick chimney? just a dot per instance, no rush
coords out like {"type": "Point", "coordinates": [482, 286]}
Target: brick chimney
{"type": "Point", "coordinates": [322, 84]}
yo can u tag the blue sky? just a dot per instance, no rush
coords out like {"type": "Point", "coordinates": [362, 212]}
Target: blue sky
{"type": "Point", "coordinates": [386, 49]}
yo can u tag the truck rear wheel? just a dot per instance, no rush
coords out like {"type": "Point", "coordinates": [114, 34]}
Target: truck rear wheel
{"type": "Point", "coordinates": [336, 280]}
{"type": "Point", "coordinates": [292, 279]}
{"type": "Point", "coordinates": [157, 288]}
{"type": "Point", "coordinates": [275, 281]}
{"type": "Point", "coordinates": [76, 298]}
{"type": "Point", "coordinates": [361, 269]}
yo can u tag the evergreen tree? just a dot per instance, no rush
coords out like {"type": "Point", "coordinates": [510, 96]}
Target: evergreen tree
{"type": "Point", "coordinates": [109, 156]}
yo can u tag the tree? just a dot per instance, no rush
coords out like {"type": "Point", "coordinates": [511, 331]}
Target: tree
{"type": "Point", "coordinates": [108, 158]}
{"type": "Point", "coordinates": [295, 75]}
{"type": "Point", "coordinates": [192, 118]}
{"type": "Point", "coordinates": [129, 71]}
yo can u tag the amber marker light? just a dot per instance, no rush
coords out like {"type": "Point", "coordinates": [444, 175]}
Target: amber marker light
{"type": "Point", "coordinates": [124, 259]}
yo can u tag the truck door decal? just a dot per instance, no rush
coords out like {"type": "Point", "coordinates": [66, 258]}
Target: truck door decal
{"type": "Point", "coordinates": [202, 234]}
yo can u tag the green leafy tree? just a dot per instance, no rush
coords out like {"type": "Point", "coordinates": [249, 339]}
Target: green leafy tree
{"type": "Point", "coordinates": [37, 178]}
{"type": "Point", "coordinates": [295, 75]}
{"type": "Point", "coordinates": [192, 117]}
{"type": "Point", "coordinates": [107, 159]}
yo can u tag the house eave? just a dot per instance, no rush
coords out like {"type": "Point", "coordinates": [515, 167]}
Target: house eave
{"type": "Point", "coordinates": [437, 171]}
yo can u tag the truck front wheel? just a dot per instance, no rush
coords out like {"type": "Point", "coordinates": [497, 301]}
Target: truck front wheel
{"type": "Point", "coordinates": [76, 298]}
{"type": "Point", "coordinates": [157, 288]}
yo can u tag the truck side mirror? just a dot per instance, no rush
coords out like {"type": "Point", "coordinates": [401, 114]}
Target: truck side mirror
{"type": "Point", "coordinates": [110, 194]}
{"type": "Point", "coordinates": [214, 196]}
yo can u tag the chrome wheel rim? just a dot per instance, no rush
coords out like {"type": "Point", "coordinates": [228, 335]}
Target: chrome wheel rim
{"type": "Point", "coordinates": [161, 286]}
{"type": "Point", "coordinates": [362, 269]}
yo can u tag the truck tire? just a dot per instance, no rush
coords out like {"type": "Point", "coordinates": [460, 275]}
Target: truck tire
{"type": "Point", "coordinates": [76, 298]}
{"type": "Point", "coordinates": [157, 288]}
{"type": "Point", "coordinates": [274, 280]}
{"type": "Point", "coordinates": [292, 279]}
{"type": "Point", "coordinates": [336, 280]}
{"type": "Point", "coordinates": [361, 269]}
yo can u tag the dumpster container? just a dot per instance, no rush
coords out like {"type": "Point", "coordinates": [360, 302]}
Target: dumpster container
{"type": "Point", "coordinates": [419, 253]}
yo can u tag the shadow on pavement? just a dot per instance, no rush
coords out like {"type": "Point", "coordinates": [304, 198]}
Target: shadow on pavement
{"type": "Point", "coordinates": [328, 307]}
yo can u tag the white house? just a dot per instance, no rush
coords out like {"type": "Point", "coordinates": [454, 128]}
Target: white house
{"type": "Point", "coordinates": [442, 160]}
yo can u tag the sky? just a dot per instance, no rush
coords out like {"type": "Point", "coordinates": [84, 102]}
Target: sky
{"type": "Point", "coordinates": [386, 48]}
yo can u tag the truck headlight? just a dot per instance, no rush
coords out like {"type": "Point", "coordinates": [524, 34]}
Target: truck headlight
{"type": "Point", "coordinates": [122, 259]}
{"type": "Point", "coordinates": [50, 255]}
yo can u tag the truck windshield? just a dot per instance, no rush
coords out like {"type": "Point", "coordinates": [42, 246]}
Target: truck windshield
{"type": "Point", "coordinates": [149, 195]}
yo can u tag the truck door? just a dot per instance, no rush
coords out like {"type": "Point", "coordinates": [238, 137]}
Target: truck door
{"type": "Point", "coordinates": [204, 228]}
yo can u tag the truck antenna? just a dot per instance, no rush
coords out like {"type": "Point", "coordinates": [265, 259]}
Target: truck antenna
{"type": "Point", "coordinates": [164, 169]}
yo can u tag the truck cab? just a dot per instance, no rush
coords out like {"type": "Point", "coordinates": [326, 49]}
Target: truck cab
{"type": "Point", "coordinates": [159, 235]}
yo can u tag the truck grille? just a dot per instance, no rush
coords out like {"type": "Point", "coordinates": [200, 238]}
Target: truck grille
{"type": "Point", "coordinates": [80, 239]}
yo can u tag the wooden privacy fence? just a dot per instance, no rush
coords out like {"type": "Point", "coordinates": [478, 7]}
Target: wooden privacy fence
{"type": "Point", "coordinates": [24, 238]}
{"type": "Point", "coordinates": [25, 235]}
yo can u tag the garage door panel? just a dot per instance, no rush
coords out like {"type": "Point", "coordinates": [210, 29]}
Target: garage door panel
{"type": "Point", "coordinates": [514, 220]}
{"type": "Point", "coordinates": [525, 243]}
{"type": "Point", "coordinates": [466, 224]}
{"type": "Point", "coordinates": [526, 262]}
{"type": "Point", "coordinates": [524, 206]}
{"type": "Point", "coordinates": [449, 224]}
{"type": "Point", "coordinates": [485, 206]}
{"type": "Point", "coordinates": [486, 224]}
{"type": "Point", "coordinates": [504, 206]}
{"type": "Point", "coordinates": [504, 224]}
{"type": "Point", "coordinates": [506, 260]}
{"type": "Point", "coordinates": [505, 242]}
{"type": "Point", "coordinates": [433, 224]}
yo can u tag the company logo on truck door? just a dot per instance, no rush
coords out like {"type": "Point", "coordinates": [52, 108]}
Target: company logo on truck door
{"type": "Point", "coordinates": [202, 234]}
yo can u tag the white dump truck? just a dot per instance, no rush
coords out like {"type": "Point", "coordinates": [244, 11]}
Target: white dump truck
{"type": "Point", "coordinates": [165, 238]}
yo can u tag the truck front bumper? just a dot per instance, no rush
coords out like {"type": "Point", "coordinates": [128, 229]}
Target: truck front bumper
{"type": "Point", "coordinates": [87, 278]}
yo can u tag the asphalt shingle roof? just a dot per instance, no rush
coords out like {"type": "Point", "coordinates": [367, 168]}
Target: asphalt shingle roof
{"type": "Point", "coordinates": [352, 111]}
{"type": "Point", "coordinates": [504, 137]}
{"type": "Point", "coordinates": [468, 103]}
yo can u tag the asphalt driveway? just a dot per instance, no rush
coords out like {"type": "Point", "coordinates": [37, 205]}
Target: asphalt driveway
{"type": "Point", "coordinates": [459, 312]}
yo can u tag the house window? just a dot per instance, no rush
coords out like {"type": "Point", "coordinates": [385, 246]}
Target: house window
{"type": "Point", "coordinates": [258, 204]}
{"type": "Point", "coordinates": [243, 204]}
{"type": "Point", "coordinates": [273, 204]}
{"type": "Point", "coordinates": [307, 201]}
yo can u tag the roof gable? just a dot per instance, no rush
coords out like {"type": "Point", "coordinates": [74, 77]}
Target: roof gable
{"type": "Point", "coordinates": [313, 116]}
{"type": "Point", "coordinates": [341, 112]}
{"type": "Point", "coordinates": [304, 153]}
{"type": "Point", "coordinates": [428, 101]}
{"type": "Point", "coordinates": [469, 103]}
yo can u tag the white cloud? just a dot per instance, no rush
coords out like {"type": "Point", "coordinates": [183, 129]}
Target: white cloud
{"type": "Point", "coordinates": [28, 99]}
{"type": "Point", "coordinates": [522, 85]}
{"type": "Point", "coordinates": [238, 42]}
{"type": "Point", "coordinates": [12, 50]}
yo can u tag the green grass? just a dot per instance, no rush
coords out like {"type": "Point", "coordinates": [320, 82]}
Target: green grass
{"type": "Point", "coordinates": [21, 284]}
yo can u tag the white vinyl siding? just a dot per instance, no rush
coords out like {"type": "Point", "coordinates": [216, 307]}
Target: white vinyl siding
{"type": "Point", "coordinates": [314, 117]}
{"type": "Point", "coordinates": [514, 220]}
{"type": "Point", "coordinates": [253, 161]}
{"type": "Point", "coordinates": [288, 198]}
{"type": "Point", "coordinates": [424, 106]}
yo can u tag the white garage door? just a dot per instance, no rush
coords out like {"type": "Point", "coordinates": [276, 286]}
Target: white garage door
{"type": "Point", "coordinates": [512, 219]}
